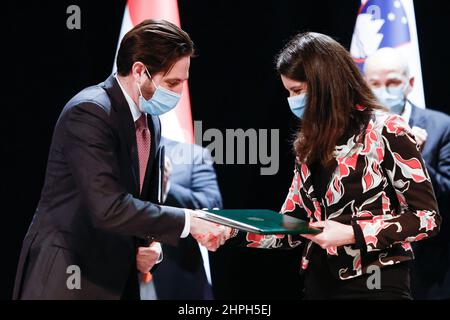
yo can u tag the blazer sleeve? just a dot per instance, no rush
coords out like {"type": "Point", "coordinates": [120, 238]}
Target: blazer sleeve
{"type": "Point", "coordinates": [204, 191]}
{"type": "Point", "coordinates": [90, 151]}
{"type": "Point", "coordinates": [293, 206]}
{"type": "Point", "coordinates": [418, 216]}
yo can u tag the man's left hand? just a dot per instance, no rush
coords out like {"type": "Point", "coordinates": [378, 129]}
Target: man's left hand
{"type": "Point", "coordinates": [147, 257]}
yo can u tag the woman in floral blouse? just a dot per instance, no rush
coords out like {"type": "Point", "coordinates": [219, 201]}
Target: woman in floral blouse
{"type": "Point", "coordinates": [358, 175]}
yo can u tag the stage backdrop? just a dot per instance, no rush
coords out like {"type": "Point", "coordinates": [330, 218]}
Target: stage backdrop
{"type": "Point", "coordinates": [232, 85]}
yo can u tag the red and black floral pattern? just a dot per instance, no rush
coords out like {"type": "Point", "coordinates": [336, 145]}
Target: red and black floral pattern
{"type": "Point", "coordinates": [381, 185]}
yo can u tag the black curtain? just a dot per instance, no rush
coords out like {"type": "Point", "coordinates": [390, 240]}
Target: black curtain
{"type": "Point", "coordinates": [232, 85]}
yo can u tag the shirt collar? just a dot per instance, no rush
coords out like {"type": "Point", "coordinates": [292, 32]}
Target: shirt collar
{"type": "Point", "coordinates": [406, 114]}
{"type": "Point", "coordinates": [135, 112]}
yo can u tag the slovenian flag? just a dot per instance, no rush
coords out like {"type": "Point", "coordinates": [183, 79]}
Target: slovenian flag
{"type": "Point", "coordinates": [176, 124]}
{"type": "Point", "coordinates": [389, 23]}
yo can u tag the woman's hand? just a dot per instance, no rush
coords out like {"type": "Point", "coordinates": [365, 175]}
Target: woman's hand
{"type": "Point", "coordinates": [334, 234]}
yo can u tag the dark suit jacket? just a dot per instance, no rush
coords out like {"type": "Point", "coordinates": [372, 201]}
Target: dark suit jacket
{"type": "Point", "coordinates": [91, 213]}
{"type": "Point", "coordinates": [193, 185]}
{"type": "Point", "coordinates": [431, 270]}
{"type": "Point", "coordinates": [437, 147]}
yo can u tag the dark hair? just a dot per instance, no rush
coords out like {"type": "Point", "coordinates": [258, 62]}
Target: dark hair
{"type": "Point", "coordinates": [339, 102]}
{"type": "Point", "coordinates": [156, 43]}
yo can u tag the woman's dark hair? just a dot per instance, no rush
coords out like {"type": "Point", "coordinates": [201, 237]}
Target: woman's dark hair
{"type": "Point", "coordinates": [339, 102]}
{"type": "Point", "coordinates": [156, 43]}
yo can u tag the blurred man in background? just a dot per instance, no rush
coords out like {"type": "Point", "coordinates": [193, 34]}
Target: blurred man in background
{"type": "Point", "coordinates": [388, 74]}
{"type": "Point", "coordinates": [190, 182]}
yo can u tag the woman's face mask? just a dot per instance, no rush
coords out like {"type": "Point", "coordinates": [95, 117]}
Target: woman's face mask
{"type": "Point", "coordinates": [298, 97]}
{"type": "Point", "coordinates": [297, 104]}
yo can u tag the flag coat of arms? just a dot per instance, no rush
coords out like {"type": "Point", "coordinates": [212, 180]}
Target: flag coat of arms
{"type": "Point", "coordinates": [389, 23]}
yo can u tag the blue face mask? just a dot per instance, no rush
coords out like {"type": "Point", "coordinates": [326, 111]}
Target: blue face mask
{"type": "Point", "coordinates": [298, 104]}
{"type": "Point", "coordinates": [162, 101]}
{"type": "Point", "coordinates": [393, 98]}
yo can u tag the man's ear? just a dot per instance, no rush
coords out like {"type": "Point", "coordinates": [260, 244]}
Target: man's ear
{"type": "Point", "coordinates": [411, 85]}
{"type": "Point", "coordinates": [137, 69]}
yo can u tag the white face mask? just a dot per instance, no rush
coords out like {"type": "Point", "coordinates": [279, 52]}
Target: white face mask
{"type": "Point", "coordinates": [162, 101]}
{"type": "Point", "coordinates": [392, 97]}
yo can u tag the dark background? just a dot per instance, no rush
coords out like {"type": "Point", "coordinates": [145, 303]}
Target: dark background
{"type": "Point", "coordinates": [232, 85]}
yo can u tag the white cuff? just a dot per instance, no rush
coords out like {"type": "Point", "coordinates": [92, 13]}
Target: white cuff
{"type": "Point", "coordinates": [161, 256]}
{"type": "Point", "coordinates": [167, 191]}
{"type": "Point", "coordinates": [187, 224]}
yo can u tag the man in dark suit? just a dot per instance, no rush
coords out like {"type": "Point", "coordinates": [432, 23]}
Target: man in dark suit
{"type": "Point", "coordinates": [91, 231]}
{"type": "Point", "coordinates": [387, 72]}
{"type": "Point", "coordinates": [431, 270]}
{"type": "Point", "coordinates": [190, 183]}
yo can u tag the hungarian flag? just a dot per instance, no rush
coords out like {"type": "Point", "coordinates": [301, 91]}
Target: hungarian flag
{"type": "Point", "coordinates": [176, 124]}
{"type": "Point", "coordinates": [389, 23]}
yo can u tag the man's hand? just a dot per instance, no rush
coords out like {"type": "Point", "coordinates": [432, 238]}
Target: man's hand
{"type": "Point", "coordinates": [421, 136]}
{"type": "Point", "coordinates": [147, 257]}
{"type": "Point", "coordinates": [210, 235]}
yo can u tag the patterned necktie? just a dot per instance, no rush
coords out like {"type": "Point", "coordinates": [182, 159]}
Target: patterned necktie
{"type": "Point", "coordinates": [143, 145]}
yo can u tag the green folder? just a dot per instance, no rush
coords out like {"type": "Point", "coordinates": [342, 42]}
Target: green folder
{"type": "Point", "coordinates": [260, 221]}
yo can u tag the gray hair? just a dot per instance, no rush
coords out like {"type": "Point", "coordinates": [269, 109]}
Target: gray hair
{"type": "Point", "coordinates": [388, 55]}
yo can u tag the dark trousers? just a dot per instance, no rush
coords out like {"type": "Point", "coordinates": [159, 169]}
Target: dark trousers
{"type": "Point", "coordinates": [320, 284]}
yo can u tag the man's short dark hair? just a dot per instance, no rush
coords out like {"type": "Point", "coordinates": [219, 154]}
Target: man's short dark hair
{"type": "Point", "coordinates": [156, 43]}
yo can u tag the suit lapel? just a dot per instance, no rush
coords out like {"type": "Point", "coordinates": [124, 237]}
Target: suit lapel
{"type": "Point", "coordinates": [415, 119]}
{"type": "Point", "coordinates": [313, 208]}
{"type": "Point", "coordinates": [349, 160]}
{"type": "Point", "coordinates": [126, 126]}
{"type": "Point", "coordinates": [306, 178]}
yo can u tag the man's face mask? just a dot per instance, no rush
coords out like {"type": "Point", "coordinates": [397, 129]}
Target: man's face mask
{"type": "Point", "coordinates": [162, 101]}
{"type": "Point", "coordinates": [392, 97]}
